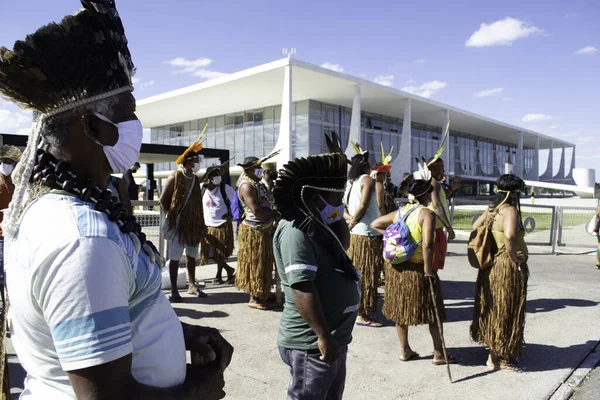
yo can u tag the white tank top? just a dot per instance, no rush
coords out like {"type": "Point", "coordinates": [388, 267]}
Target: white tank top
{"type": "Point", "coordinates": [353, 197]}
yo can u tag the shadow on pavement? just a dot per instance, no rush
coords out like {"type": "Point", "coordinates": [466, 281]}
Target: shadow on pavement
{"type": "Point", "coordinates": [195, 314]}
{"type": "Point", "coordinates": [216, 298]}
{"type": "Point", "coordinates": [535, 358]}
{"type": "Point", "coordinates": [547, 305]}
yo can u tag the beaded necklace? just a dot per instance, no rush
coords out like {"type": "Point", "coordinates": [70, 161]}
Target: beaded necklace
{"type": "Point", "coordinates": [57, 175]}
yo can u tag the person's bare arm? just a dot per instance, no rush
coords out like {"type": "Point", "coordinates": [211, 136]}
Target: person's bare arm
{"type": "Point", "coordinates": [367, 187]}
{"type": "Point", "coordinates": [249, 196]}
{"type": "Point", "coordinates": [380, 191]}
{"type": "Point", "coordinates": [167, 193]}
{"type": "Point", "coordinates": [511, 229]}
{"type": "Point", "coordinates": [382, 223]}
{"type": "Point", "coordinates": [113, 381]}
{"type": "Point", "coordinates": [309, 306]}
{"type": "Point", "coordinates": [437, 205]}
{"type": "Point", "coordinates": [340, 228]}
{"type": "Point", "coordinates": [427, 220]}
{"type": "Point", "coordinates": [124, 195]}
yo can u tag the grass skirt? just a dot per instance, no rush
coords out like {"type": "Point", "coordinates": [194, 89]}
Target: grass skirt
{"type": "Point", "coordinates": [366, 253]}
{"type": "Point", "coordinates": [407, 298]}
{"type": "Point", "coordinates": [218, 243]}
{"type": "Point", "coordinates": [255, 262]}
{"type": "Point", "coordinates": [499, 314]}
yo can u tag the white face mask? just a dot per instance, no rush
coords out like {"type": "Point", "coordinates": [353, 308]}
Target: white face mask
{"type": "Point", "coordinates": [216, 180]}
{"type": "Point", "coordinates": [126, 151]}
{"type": "Point", "coordinates": [258, 172]}
{"type": "Point", "coordinates": [196, 168]}
{"type": "Point", "coordinates": [331, 214]}
{"type": "Point", "coordinates": [6, 169]}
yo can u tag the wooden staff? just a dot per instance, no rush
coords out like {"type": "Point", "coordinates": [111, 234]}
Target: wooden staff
{"type": "Point", "coordinates": [439, 324]}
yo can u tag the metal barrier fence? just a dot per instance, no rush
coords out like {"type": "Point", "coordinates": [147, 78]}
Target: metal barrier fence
{"type": "Point", "coordinates": [150, 216]}
{"type": "Point", "coordinates": [571, 227]}
{"type": "Point", "coordinates": [552, 226]}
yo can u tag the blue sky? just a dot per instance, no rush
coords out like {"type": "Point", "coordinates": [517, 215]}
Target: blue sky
{"type": "Point", "coordinates": [522, 66]}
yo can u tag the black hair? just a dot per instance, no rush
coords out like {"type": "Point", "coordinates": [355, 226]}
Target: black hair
{"type": "Point", "coordinates": [509, 188]}
{"type": "Point", "coordinates": [137, 164]}
{"type": "Point", "coordinates": [358, 164]}
{"type": "Point", "coordinates": [416, 187]}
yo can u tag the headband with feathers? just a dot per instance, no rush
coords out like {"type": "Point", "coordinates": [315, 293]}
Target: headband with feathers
{"type": "Point", "coordinates": [258, 163]}
{"type": "Point", "coordinates": [440, 151]}
{"type": "Point", "coordinates": [385, 160]}
{"type": "Point", "coordinates": [193, 150]}
{"type": "Point", "coordinates": [212, 168]}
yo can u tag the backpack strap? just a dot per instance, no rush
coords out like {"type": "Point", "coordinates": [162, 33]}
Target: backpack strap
{"type": "Point", "coordinates": [409, 211]}
{"type": "Point", "coordinates": [225, 198]}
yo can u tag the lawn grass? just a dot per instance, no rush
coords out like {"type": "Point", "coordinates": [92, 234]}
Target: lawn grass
{"type": "Point", "coordinates": [463, 219]}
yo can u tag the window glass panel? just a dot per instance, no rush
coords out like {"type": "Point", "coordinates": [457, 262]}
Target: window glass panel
{"type": "Point", "coordinates": [220, 133]}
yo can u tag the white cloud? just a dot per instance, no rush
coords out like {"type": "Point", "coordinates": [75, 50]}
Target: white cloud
{"type": "Point", "coordinates": [536, 117]}
{"type": "Point", "coordinates": [419, 61]}
{"type": "Point", "coordinates": [501, 33]}
{"type": "Point", "coordinates": [489, 92]}
{"type": "Point", "coordinates": [385, 80]}
{"type": "Point", "coordinates": [183, 62]}
{"type": "Point", "coordinates": [141, 84]}
{"type": "Point", "coordinates": [12, 121]}
{"type": "Point", "coordinates": [333, 67]}
{"type": "Point", "coordinates": [147, 84]}
{"type": "Point", "coordinates": [194, 67]}
{"type": "Point", "coordinates": [135, 80]}
{"type": "Point", "coordinates": [427, 89]}
{"type": "Point", "coordinates": [587, 51]}
{"type": "Point", "coordinates": [554, 127]}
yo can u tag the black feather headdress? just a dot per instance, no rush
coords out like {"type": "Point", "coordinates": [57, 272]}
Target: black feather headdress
{"type": "Point", "coordinates": [321, 173]}
{"type": "Point", "coordinates": [83, 56]}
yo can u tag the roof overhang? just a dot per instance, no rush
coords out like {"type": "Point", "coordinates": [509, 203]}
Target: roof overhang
{"type": "Point", "coordinates": [262, 86]}
{"type": "Point", "coordinates": [149, 153]}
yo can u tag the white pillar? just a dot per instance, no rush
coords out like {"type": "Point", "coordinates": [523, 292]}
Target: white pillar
{"type": "Point", "coordinates": [535, 174]}
{"type": "Point", "coordinates": [355, 131]}
{"type": "Point", "coordinates": [403, 161]}
{"type": "Point", "coordinates": [519, 164]}
{"type": "Point", "coordinates": [446, 153]}
{"type": "Point", "coordinates": [284, 142]}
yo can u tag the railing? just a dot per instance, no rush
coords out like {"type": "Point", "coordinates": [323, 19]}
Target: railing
{"type": "Point", "coordinates": [552, 226]}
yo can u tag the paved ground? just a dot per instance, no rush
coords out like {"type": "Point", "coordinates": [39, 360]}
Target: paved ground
{"type": "Point", "coordinates": [590, 388]}
{"type": "Point", "coordinates": [563, 324]}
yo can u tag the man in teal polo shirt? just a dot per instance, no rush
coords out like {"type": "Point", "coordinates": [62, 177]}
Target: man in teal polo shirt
{"type": "Point", "coordinates": [320, 284]}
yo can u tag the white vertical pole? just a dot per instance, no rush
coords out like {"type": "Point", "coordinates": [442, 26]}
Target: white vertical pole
{"type": "Point", "coordinates": [284, 142]}
{"type": "Point", "coordinates": [403, 161]}
{"type": "Point", "coordinates": [536, 159]}
{"type": "Point", "coordinates": [519, 161]}
{"type": "Point", "coordinates": [355, 131]}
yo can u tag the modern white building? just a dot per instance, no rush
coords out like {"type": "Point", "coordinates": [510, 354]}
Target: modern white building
{"type": "Point", "coordinates": [288, 104]}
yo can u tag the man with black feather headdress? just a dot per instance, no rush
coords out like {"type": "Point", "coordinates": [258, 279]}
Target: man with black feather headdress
{"type": "Point", "coordinates": [88, 318]}
{"type": "Point", "coordinates": [320, 284]}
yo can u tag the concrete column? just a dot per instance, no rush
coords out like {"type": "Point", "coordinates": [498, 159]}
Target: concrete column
{"type": "Point", "coordinates": [355, 128]}
{"type": "Point", "coordinates": [284, 142]}
{"type": "Point", "coordinates": [446, 154]}
{"type": "Point", "coordinates": [519, 164]}
{"type": "Point", "coordinates": [536, 160]}
{"type": "Point", "coordinates": [560, 174]}
{"type": "Point", "coordinates": [403, 161]}
{"type": "Point", "coordinates": [548, 175]}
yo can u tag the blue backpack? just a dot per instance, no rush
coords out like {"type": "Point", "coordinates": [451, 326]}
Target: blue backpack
{"type": "Point", "coordinates": [398, 245]}
{"type": "Point", "coordinates": [237, 210]}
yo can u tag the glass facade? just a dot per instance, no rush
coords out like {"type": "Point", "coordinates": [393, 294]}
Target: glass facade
{"type": "Point", "coordinates": [255, 132]}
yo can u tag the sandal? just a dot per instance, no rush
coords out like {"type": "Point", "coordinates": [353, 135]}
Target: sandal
{"type": "Point", "coordinates": [197, 293]}
{"type": "Point", "coordinates": [370, 323]}
{"type": "Point", "coordinates": [230, 280]}
{"type": "Point", "coordinates": [258, 306]}
{"type": "Point", "coordinates": [451, 360]}
{"type": "Point", "coordinates": [176, 299]}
